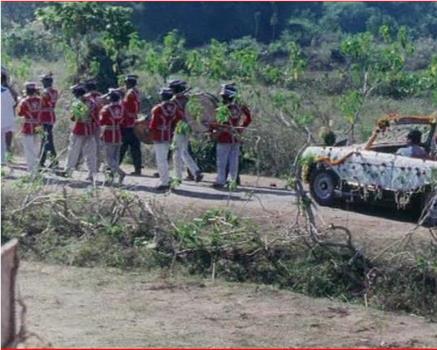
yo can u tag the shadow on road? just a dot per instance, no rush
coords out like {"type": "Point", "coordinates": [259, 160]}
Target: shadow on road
{"type": "Point", "coordinates": [207, 196]}
{"type": "Point", "coordinates": [390, 213]}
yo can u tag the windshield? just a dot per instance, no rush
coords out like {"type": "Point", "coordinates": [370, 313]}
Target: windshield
{"type": "Point", "coordinates": [396, 133]}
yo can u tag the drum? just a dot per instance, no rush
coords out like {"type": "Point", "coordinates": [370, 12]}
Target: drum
{"type": "Point", "coordinates": [141, 130]}
{"type": "Point", "coordinates": [200, 111]}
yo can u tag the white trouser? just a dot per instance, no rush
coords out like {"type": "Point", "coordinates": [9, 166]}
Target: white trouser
{"type": "Point", "coordinates": [31, 151]}
{"type": "Point", "coordinates": [161, 154]}
{"type": "Point", "coordinates": [99, 147]}
{"type": "Point", "coordinates": [112, 153]}
{"type": "Point", "coordinates": [227, 157]}
{"type": "Point", "coordinates": [3, 149]}
{"type": "Point", "coordinates": [182, 157]}
{"type": "Point", "coordinates": [85, 145]}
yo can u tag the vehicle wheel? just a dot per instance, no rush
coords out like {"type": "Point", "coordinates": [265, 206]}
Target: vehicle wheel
{"type": "Point", "coordinates": [322, 186]}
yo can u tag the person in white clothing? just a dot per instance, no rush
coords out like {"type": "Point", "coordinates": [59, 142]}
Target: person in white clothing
{"type": "Point", "coordinates": [7, 116]}
{"type": "Point", "coordinates": [181, 156]}
{"type": "Point", "coordinates": [165, 115]}
{"type": "Point", "coordinates": [82, 140]}
{"type": "Point", "coordinates": [228, 130]}
{"type": "Point", "coordinates": [29, 109]}
{"type": "Point", "coordinates": [413, 149]}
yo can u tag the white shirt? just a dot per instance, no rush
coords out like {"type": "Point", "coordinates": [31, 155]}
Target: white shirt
{"type": "Point", "coordinates": [7, 111]}
{"type": "Point", "coordinates": [411, 151]}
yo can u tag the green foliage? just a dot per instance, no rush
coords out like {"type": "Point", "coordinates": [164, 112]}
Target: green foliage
{"type": "Point", "coordinates": [19, 69]}
{"type": "Point", "coordinates": [79, 110]}
{"type": "Point", "coordinates": [167, 58]}
{"type": "Point", "coordinates": [296, 62]}
{"type": "Point", "coordinates": [78, 25]}
{"type": "Point", "coordinates": [245, 61]}
{"type": "Point", "coordinates": [182, 128]}
{"type": "Point", "coordinates": [350, 105]}
{"type": "Point", "coordinates": [31, 40]}
{"type": "Point", "coordinates": [195, 63]}
{"type": "Point", "coordinates": [222, 113]}
{"type": "Point", "coordinates": [217, 56]}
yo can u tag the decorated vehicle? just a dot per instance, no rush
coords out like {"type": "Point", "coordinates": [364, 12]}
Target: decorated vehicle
{"type": "Point", "coordinates": [374, 171]}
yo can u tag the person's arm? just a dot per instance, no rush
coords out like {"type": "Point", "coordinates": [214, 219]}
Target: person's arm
{"type": "Point", "coordinates": [94, 112]}
{"type": "Point", "coordinates": [179, 115]}
{"type": "Point", "coordinates": [404, 152]}
{"type": "Point", "coordinates": [22, 109]}
{"type": "Point", "coordinates": [247, 116]}
{"type": "Point", "coordinates": [103, 117]}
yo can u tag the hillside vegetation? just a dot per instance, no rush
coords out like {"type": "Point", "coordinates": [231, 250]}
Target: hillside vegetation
{"type": "Point", "coordinates": [338, 66]}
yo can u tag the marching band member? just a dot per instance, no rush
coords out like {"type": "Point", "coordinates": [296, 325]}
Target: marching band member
{"type": "Point", "coordinates": [29, 108]}
{"type": "Point", "coordinates": [181, 155]}
{"type": "Point", "coordinates": [165, 116]}
{"type": "Point", "coordinates": [96, 97]}
{"type": "Point", "coordinates": [228, 135]}
{"type": "Point", "coordinates": [82, 140]}
{"type": "Point", "coordinates": [131, 104]}
{"type": "Point", "coordinates": [49, 97]}
{"type": "Point", "coordinates": [111, 119]}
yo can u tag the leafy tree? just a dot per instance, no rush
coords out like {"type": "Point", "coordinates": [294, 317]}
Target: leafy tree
{"type": "Point", "coordinates": [374, 64]}
{"type": "Point", "coordinates": [79, 25]}
{"type": "Point", "coordinates": [168, 58]}
{"type": "Point", "coordinates": [296, 64]}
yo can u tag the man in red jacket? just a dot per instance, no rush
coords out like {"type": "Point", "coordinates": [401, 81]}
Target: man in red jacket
{"type": "Point", "coordinates": [29, 108]}
{"type": "Point", "coordinates": [165, 116]}
{"type": "Point", "coordinates": [111, 118]}
{"type": "Point", "coordinates": [228, 135]}
{"type": "Point", "coordinates": [82, 140]}
{"type": "Point", "coordinates": [49, 97]}
{"type": "Point", "coordinates": [96, 97]}
{"type": "Point", "coordinates": [181, 155]}
{"type": "Point", "coordinates": [131, 104]}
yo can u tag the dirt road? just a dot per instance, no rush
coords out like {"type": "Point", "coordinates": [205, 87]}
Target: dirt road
{"type": "Point", "coordinates": [80, 307]}
{"type": "Point", "coordinates": [74, 307]}
{"type": "Point", "coordinates": [264, 200]}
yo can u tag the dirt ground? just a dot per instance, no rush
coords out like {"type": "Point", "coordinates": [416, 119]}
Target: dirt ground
{"type": "Point", "coordinates": [78, 307]}
{"type": "Point", "coordinates": [262, 199]}
{"type": "Point", "coordinates": [81, 307]}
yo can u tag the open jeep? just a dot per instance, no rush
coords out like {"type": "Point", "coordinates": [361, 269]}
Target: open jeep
{"type": "Point", "coordinates": [374, 172]}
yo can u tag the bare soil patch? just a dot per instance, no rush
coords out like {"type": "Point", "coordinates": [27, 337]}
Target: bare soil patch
{"type": "Point", "coordinates": [78, 307]}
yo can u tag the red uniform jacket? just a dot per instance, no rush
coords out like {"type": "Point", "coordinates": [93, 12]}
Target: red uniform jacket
{"type": "Point", "coordinates": [165, 116]}
{"type": "Point", "coordinates": [49, 97]}
{"type": "Point", "coordinates": [239, 119]}
{"type": "Point", "coordinates": [131, 104]}
{"type": "Point", "coordinates": [111, 118]}
{"type": "Point", "coordinates": [30, 108]}
{"type": "Point", "coordinates": [86, 127]}
{"type": "Point", "coordinates": [95, 97]}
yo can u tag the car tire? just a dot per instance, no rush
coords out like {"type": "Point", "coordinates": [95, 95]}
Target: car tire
{"type": "Point", "coordinates": [322, 186]}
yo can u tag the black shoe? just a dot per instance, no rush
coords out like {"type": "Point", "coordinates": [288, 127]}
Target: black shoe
{"type": "Point", "coordinates": [199, 176]}
{"type": "Point", "coordinates": [156, 175]}
{"type": "Point", "coordinates": [162, 188]}
{"type": "Point", "coordinates": [121, 177]}
{"type": "Point", "coordinates": [189, 178]}
{"type": "Point", "coordinates": [62, 173]}
{"type": "Point", "coordinates": [217, 185]}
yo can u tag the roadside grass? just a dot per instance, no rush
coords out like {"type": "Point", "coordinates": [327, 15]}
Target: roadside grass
{"type": "Point", "coordinates": [121, 230]}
